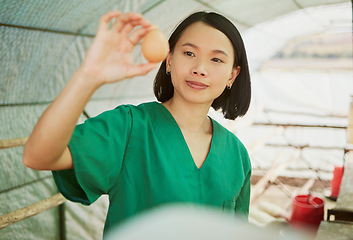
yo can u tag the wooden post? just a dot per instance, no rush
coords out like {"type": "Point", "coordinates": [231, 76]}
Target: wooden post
{"type": "Point", "coordinates": [271, 175]}
{"type": "Point", "coordinates": [15, 142]}
{"type": "Point", "coordinates": [29, 211]}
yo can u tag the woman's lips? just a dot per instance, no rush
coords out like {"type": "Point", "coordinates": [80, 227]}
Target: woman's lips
{"type": "Point", "coordinates": [196, 85]}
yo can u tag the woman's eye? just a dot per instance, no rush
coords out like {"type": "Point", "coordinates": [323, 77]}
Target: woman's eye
{"type": "Point", "coordinates": [189, 54]}
{"type": "Point", "coordinates": [217, 60]}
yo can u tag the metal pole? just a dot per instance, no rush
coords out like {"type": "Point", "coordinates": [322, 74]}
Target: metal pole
{"type": "Point", "coordinates": [62, 225]}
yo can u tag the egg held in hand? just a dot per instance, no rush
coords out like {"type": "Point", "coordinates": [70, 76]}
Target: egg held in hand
{"type": "Point", "coordinates": [155, 46]}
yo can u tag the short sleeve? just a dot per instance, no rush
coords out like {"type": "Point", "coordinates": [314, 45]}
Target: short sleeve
{"type": "Point", "coordinates": [243, 201]}
{"type": "Point", "coordinates": [97, 148]}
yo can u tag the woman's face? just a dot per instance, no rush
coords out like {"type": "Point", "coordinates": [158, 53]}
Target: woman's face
{"type": "Point", "coordinates": [201, 64]}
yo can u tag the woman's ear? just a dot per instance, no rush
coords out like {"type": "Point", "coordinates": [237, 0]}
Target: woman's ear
{"type": "Point", "coordinates": [169, 62]}
{"type": "Point", "coordinates": [234, 75]}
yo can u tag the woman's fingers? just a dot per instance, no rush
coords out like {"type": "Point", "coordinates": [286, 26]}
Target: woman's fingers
{"type": "Point", "coordinates": [109, 56]}
{"type": "Point", "coordinates": [137, 35]}
{"type": "Point", "coordinates": [128, 27]}
{"type": "Point", "coordinates": [106, 18]}
{"type": "Point", "coordinates": [141, 69]}
{"type": "Point", "coordinates": [124, 23]}
{"type": "Point", "coordinates": [124, 19]}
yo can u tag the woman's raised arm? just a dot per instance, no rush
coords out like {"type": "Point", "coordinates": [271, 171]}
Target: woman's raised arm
{"type": "Point", "coordinates": [108, 60]}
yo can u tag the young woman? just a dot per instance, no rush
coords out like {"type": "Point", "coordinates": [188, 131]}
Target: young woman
{"type": "Point", "coordinates": [155, 153]}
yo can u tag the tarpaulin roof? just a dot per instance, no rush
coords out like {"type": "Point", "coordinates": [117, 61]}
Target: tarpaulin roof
{"type": "Point", "coordinates": [299, 107]}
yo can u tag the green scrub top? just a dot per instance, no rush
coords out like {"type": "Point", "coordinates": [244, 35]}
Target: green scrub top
{"type": "Point", "coordinates": [139, 157]}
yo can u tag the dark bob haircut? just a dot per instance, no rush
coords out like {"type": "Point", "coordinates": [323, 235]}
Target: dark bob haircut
{"type": "Point", "coordinates": [234, 102]}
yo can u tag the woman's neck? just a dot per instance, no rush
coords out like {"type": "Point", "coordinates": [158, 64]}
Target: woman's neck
{"type": "Point", "coordinates": [190, 117]}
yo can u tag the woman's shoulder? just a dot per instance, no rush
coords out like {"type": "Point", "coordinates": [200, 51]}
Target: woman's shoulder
{"type": "Point", "coordinates": [220, 129]}
{"type": "Point", "coordinates": [143, 111]}
{"type": "Point", "coordinates": [138, 107]}
{"type": "Point", "coordinates": [233, 145]}
{"type": "Point", "coordinates": [123, 111]}
{"type": "Point", "coordinates": [228, 136]}
{"type": "Point", "coordinates": [132, 108]}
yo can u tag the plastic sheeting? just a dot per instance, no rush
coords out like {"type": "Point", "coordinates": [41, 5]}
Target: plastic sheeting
{"type": "Point", "coordinates": [43, 42]}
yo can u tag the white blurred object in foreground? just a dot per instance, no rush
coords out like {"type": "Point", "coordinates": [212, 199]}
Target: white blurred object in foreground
{"type": "Point", "coordinates": [190, 222]}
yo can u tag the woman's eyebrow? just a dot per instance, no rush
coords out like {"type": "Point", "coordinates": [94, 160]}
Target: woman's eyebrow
{"type": "Point", "coordinates": [194, 46]}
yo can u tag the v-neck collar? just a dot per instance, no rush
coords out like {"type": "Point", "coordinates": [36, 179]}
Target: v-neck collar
{"type": "Point", "coordinates": [181, 135]}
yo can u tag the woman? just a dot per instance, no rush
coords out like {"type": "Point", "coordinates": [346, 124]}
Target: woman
{"type": "Point", "coordinates": [159, 152]}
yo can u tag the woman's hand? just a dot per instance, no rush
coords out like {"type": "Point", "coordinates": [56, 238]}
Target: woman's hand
{"type": "Point", "coordinates": [109, 58]}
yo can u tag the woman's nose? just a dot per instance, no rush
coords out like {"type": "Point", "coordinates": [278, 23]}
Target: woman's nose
{"type": "Point", "coordinates": [199, 70]}
{"type": "Point", "coordinates": [199, 73]}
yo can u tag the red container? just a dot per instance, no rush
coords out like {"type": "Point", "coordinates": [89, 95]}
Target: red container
{"type": "Point", "coordinates": [307, 212]}
{"type": "Point", "coordinates": [336, 181]}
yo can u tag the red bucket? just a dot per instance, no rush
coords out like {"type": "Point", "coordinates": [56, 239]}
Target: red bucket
{"type": "Point", "coordinates": [336, 181]}
{"type": "Point", "coordinates": [307, 212]}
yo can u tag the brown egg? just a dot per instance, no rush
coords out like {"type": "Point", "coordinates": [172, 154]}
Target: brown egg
{"type": "Point", "coordinates": [155, 46]}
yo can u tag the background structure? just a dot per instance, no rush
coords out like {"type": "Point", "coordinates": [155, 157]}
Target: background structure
{"type": "Point", "coordinates": [300, 56]}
